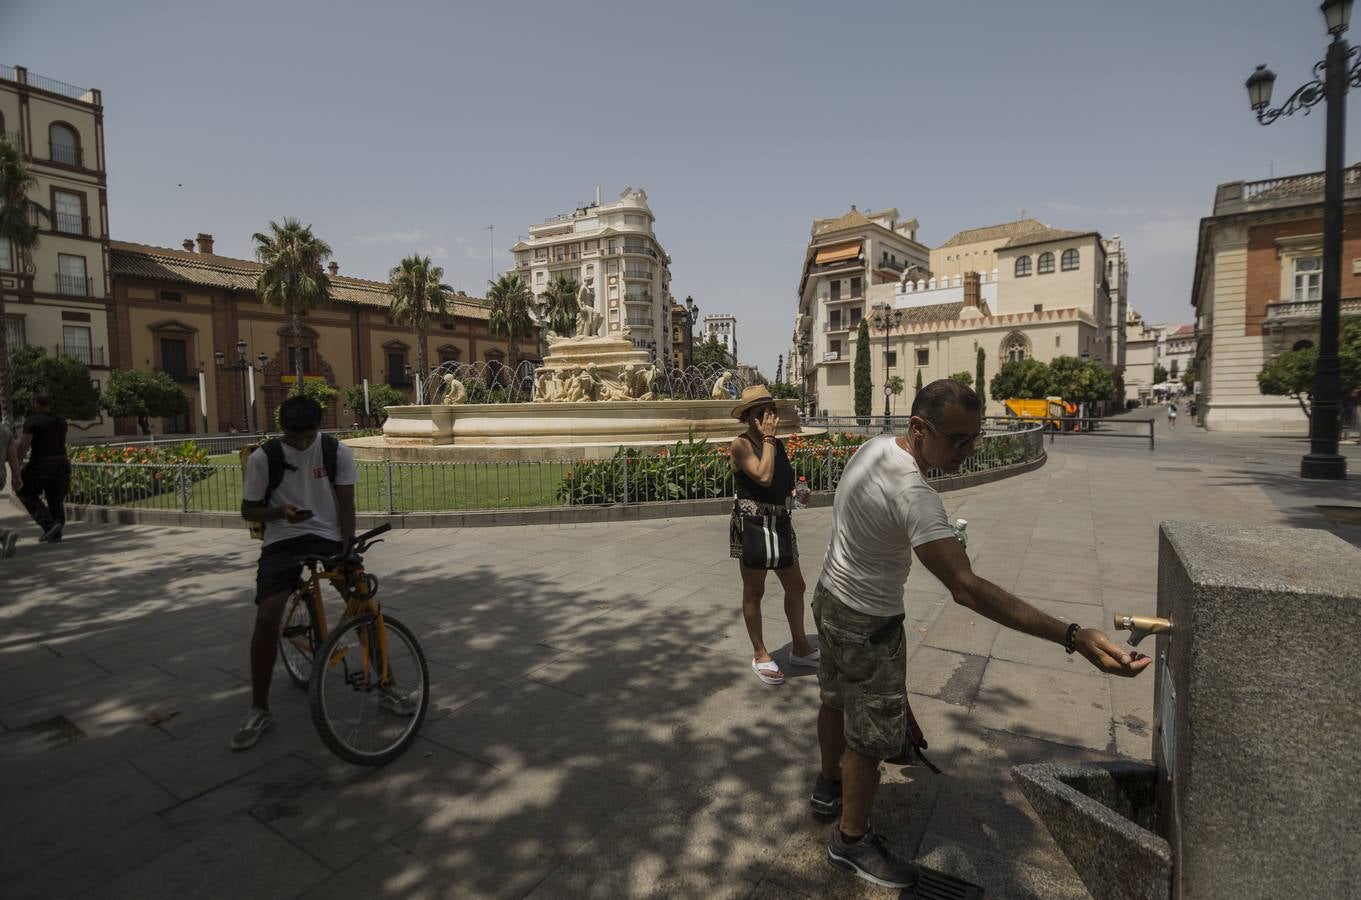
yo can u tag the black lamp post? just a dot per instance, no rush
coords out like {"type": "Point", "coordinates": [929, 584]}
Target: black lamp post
{"type": "Point", "coordinates": [886, 320]}
{"type": "Point", "coordinates": [691, 314]}
{"type": "Point", "coordinates": [263, 359]}
{"type": "Point", "coordinates": [1332, 77]}
{"type": "Point", "coordinates": [241, 365]}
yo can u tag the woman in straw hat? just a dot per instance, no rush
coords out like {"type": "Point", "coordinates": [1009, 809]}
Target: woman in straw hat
{"type": "Point", "coordinates": [761, 535]}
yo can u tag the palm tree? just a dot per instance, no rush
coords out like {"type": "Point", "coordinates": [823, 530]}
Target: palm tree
{"type": "Point", "coordinates": [417, 291]}
{"type": "Point", "coordinates": [19, 225]}
{"type": "Point", "coordinates": [562, 304]}
{"type": "Point", "coordinates": [293, 279]}
{"type": "Point", "coordinates": [510, 306]}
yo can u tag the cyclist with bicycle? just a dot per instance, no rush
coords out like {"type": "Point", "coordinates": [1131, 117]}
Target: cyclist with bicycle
{"type": "Point", "coordinates": [310, 512]}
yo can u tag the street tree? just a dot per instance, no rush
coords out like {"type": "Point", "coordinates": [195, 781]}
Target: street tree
{"type": "Point", "coordinates": [320, 391]}
{"type": "Point", "coordinates": [978, 380]}
{"type": "Point", "coordinates": [19, 220]}
{"type": "Point", "coordinates": [143, 395]}
{"type": "Point", "coordinates": [1081, 380]}
{"type": "Point", "coordinates": [896, 386]}
{"type": "Point", "coordinates": [864, 391]}
{"type": "Point", "coordinates": [1026, 379]}
{"type": "Point", "coordinates": [1159, 373]}
{"type": "Point", "coordinates": [293, 279]}
{"type": "Point", "coordinates": [63, 378]}
{"type": "Point", "coordinates": [511, 303]}
{"type": "Point", "coordinates": [381, 395]}
{"type": "Point", "coordinates": [418, 291]}
{"type": "Point", "coordinates": [963, 378]}
{"type": "Point", "coordinates": [712, 353]}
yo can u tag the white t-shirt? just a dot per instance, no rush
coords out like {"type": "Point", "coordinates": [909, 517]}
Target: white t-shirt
{"type": "Point", "coordinates": [883, 508]}
{"type": "Point", "coordinates": [305, 487]}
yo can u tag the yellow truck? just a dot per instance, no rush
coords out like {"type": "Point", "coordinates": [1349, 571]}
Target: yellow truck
{"type": "Point", "coordinates": [1051, 410]}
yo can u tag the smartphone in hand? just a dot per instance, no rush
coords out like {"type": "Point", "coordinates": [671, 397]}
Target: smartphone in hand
{"type": "Point", "coordinates": [304, 513]}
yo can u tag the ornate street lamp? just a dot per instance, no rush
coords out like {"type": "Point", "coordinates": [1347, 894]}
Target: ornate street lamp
{"type": "Point", "coordinates": [885, 319]}
{"type": "Point", "coordinates": [241, 365]}
{"type": "Point", "coordinates": [1332, 78]}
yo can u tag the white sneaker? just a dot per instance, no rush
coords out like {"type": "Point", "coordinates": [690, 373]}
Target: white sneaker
{"type": "Point", "coordinates": [256, 723]}
{"type": "Point", "coordinates": [810, 660]}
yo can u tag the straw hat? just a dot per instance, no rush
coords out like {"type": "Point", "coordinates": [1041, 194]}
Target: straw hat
{"type": "Point", "coordinates": [752, 396]}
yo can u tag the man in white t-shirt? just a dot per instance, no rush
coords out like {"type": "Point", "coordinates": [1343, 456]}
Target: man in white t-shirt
{"type": "Point", "coordinates": [306, 515]}
{"type": "Point", "coordinates": [884, 511]}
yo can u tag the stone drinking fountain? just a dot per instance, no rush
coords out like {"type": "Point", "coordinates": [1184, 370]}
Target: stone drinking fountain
{"type": "Point", "coordinates": [592, 394]}
{"type": "Point", "coordinates": [1255, 786]}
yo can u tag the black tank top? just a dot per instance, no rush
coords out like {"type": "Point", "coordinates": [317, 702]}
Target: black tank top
{"type": "Point", "coordinates": [780, 484]}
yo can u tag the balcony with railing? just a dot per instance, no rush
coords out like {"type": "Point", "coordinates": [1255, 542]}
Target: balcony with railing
{"type": "Point", "coordinates": [66, 155]}
{"type": "Point", "coordinates": [1290, 190]}
{"type": "Point", "coordinates": [642, 274]}
{"type": "Point", "coordinates": [849, 265]}
{"type": "Point", "coordinates": [90, 356]}
{"type": "Point", "coordinates": [71, 223]}
{"type": "Point", "coordinates": [73, 285]}
{"type": "Point", "coordinates": [892, 265]}
{"type": "Point", "coordinates": [835, 325]}
{"type": "Point", "coordinates": [1288, 313]}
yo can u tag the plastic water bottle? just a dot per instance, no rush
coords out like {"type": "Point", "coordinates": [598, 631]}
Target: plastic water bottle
{"type": "Point", "coordinates": [961, 533]}
{"type": "Point", "coordinates": [801, 492]}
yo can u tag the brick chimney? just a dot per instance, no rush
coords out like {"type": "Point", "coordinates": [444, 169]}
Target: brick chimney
{"type": "Point", "coordinates": [333, 267]}
{"type": "Point", "coordinates": [205, 243]}
{"type": "Point", "coordinates": [972, 289]}
{"type": "Point", "coordinates": [188, 244]}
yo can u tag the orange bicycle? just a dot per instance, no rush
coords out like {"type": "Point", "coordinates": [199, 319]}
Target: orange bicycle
{"type": "Point", "coordinates": [368, 679]}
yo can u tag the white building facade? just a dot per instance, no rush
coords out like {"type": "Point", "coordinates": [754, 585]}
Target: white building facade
{"type": "Point", "coordinates": [612, 250]}
{"type": "Point", "coordinates": [723, 328]}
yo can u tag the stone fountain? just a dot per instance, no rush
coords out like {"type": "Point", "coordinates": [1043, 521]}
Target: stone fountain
{"type": "Point", "coordinates": [593, 393]}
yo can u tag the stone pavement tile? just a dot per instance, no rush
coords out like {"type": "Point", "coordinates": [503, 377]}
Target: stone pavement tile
{"type": "Point", "coordinates": [1032, 651]}
{"type": "Point", "coordinates": [203, 760]}
{"type": "Point", "coordinates": [950, 677]}
{"type": "Point", "coordinates": [503, 652]}
{"type": "Point", "coordinates": [282, 776]}
{"type": "Point", "coordinates": [337, 816]}
{"type": "Point", "coordinates": [1056, 584]}
{"type": "Point", "coordinates": [185, 648]}
{"type": "Point", "coordinates": [708, 827]}
{"type": "Point", "coordinates": [240, 858]}
{"type": "Point", "coordinates": [46, 822]}
{"type": "Point", "coordinates": [902, 809]}
{"type": "Point", "coordinates": [1000, 877]}
{"type": "Point", "coordinates": [962, 630]}
{"type": "Point", "coordinates": [388, 871]}
{"type": "Point", "coordinates": [675, 674]}
{"type": "Point", "coordinates": [451, 688]}
{"type": "Point", "coordinates": [98, 860]}
{"type": "Point", "coordinates": [105, 700]}
{"type": "Point", "coordinates": [17, 653]}
{"type": "Point", "coordinates": [629, 739]}
{"type": "Point", "coordinates": [1132, 713]}
{"type": "Point", "coordinates": [46, 675]}
{"type": "Point", "coordinates": [501, 831]}
{"type": "Point", "coordinates": [1065, 707]}
{"type": "Point", "coordinates": [1126, 602]}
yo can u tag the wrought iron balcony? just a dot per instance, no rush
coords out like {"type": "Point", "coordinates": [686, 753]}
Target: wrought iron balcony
{"type": "Point", "coordinates": [73, 286]}
{"type": "Point", "coordinates": [91, 356]}
{"type": "Point", "coordinates": [71, 223]}
{"type": "Point", "coordinates": [67, 156]}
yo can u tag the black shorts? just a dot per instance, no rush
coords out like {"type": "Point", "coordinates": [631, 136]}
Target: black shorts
{"type": "Point", "coordinates": [280, 565]}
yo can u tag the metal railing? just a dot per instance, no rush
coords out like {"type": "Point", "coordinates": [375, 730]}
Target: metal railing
{"type": "Point", "coordinates": [215, 444]}
{"type": "Point", "coordinates": [68, 156]}
{"type": "Point", "coordinates": [1067, 426]}
{"type": "Point", "coordinates": [57, 87]}
{"type": "Point", "coordinates": [73, 285]}
{"type": "Point", "coordinates": [91, 356]}
{"type": "Point", "coordinates": [398, 487]}
{"type": "Point", "coordinates": [71, 223]}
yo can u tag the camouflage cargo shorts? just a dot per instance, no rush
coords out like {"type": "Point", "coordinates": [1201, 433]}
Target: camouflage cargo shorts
{"type": "Point", "coordinates": [863, 673]}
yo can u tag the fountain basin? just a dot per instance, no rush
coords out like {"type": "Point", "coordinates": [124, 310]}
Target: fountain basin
{"type": "Point", "coordinates": [544, 431]}
{"type": "Point", "coordinates": [1102, 817]}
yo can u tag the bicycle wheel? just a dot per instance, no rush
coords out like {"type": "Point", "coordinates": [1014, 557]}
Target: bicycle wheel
{"type": "Point", "coordinates": [298, 637]}
{"type": "Point", "coordinates": [361, 720]}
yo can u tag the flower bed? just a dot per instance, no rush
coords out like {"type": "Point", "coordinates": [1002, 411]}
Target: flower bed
{"type": "Point", "coordinates": [128, 474]}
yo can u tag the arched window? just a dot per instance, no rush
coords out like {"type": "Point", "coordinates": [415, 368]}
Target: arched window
{"type": "Point", "coordinates": [1015, 348]}
{"type": "Point", "coordinates": [1068, 262]}
{"type": "Point", "coordinates": [1022, 266]}
{"type": "Point", "coordinates": [64, 142]}
{"type": "Point", "coordinates": [1046, 264]}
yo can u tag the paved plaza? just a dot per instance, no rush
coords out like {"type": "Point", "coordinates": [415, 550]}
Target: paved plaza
{"type": "Point", "coordinates": [594, 728]}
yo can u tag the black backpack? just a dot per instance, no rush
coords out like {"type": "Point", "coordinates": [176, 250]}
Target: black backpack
{"type": "Point", "coordinates": [274, 456]}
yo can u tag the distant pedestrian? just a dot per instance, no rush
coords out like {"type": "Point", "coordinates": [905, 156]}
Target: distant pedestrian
{"type": "Point", "coordinates": [47, 474]}
{"type": "Point", "coordinates": [1172, 414]}
{"type": "Point", "coordinates": [761, 536]}
{"type": "Point", "coordinates": [9, 466]}
{"type": "Point", "coordinates": [883, 513]}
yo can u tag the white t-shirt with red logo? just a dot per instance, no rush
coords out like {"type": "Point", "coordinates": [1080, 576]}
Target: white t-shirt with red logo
{"type": "Point", "coordinates": [305, 487]}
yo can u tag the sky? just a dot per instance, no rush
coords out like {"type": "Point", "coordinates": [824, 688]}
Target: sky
{"type": "Point", "coordinates": [411, 127]}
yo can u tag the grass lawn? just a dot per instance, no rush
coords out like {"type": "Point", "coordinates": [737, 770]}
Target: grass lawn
{"type": "Point", "coordinates": [438, 487]}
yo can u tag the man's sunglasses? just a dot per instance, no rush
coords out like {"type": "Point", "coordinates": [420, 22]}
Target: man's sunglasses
{"type": "Point", "coordinates": [960, 441]}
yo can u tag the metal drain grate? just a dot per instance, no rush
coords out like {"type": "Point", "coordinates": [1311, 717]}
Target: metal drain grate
{"type": "Point", "coordinates": [933, 885]}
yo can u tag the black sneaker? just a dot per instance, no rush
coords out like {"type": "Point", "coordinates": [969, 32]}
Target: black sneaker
{"type": "Point", "coordinates": [869, 859]}
{"type": "Point", "coordinates": [51, 533]}
{"type": "Point", "coordinates": [826, 799]}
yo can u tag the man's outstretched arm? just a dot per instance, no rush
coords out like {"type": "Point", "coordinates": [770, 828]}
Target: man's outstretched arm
{"type": "Point", "coordinates": [947, 560]}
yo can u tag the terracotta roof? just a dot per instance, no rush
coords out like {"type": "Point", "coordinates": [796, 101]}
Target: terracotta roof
{"type": "Point", "coordinates": [1183, 329]}
{"type": "Point", "coordinates": [1046, 236]}
{"type": "Point", "coordinates": [938, 312]}
{"type": "Point", "coordinates": [210, 270]}
{"type": "Point", "coordinates": [995, 232]}
{"type": "Point", "coordinates": [853, 219]}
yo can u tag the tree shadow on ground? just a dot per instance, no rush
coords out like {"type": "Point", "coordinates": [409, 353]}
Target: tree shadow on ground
{"type": "Point", "coordinates": [593, 732]}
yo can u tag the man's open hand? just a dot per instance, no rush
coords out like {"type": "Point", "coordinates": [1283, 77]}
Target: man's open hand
{"type": "Point", "coordinates": [1108, 656]}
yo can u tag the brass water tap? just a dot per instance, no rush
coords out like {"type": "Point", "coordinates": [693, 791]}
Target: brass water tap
{"type": "Point", "coordinates": [1140, 627]}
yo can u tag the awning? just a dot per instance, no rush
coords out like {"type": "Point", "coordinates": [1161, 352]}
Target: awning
{"type": "Point", "coordinates": [837, 254]}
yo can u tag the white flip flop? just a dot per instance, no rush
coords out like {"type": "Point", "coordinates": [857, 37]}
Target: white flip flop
{"type": "Point", "coordinates": [768, 671]}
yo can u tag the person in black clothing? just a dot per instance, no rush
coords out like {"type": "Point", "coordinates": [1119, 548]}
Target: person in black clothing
{"type": "Point", "coordinates": [47, 474]}
{"type": "Point", "coordinates": [764, 480]}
